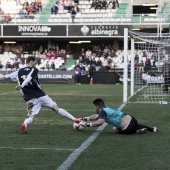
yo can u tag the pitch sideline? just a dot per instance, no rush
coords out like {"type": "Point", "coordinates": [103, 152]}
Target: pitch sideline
{"type": "Point", "coordinates": [74, 155]}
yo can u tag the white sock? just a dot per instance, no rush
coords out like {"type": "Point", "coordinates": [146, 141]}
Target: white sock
{"type": "Point", "coordinates": [65, 113]}
{"type": "Point", "coordinates": [28, 121]}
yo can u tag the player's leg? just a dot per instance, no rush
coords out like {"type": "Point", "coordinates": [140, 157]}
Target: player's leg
{"type": "Point", "coordinates": [33, 108]}
{"type": "Point", "coordinates": [48, 102]}
{"type": "Point", "coordinates": [62, 112]}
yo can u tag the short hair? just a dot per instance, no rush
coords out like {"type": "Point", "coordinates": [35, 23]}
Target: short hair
{"type": "Point", "coordinates": [99, 102]}
{"type": "Point", "coordinates": [30, 58]}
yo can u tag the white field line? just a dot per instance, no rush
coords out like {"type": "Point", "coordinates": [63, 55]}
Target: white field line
{"type": "Point", "coordinates": [56, 149]}
{"type": "Point", "coordinates": [7, 93]}
{"type": "Point", "coordinates": [74, 155]}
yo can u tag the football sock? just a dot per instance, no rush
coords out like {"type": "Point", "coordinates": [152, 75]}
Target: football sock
{"type": "Point", "coordinates": [65, 113]}
{"type": "Point", "coordinates": [28, 121]}
{"type": "Point", "coordinates": [143, 126]}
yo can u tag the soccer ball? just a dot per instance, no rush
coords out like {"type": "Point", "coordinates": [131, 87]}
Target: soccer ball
{"type": "Point", "coordinates": [77, 126]}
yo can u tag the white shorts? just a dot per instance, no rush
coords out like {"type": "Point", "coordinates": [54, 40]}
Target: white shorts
{"type": "Point", "coordinates": [34, 105]}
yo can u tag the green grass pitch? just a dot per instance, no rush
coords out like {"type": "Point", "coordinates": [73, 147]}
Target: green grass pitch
{"type": "Point", "coordinates": [52, 139]}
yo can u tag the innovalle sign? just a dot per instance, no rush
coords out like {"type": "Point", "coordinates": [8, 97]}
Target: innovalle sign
{"type": "Point", "coordinates": [34, 30]}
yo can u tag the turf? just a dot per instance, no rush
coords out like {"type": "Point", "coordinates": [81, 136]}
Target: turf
{"type": "Point", "coordinates": [52, 139]}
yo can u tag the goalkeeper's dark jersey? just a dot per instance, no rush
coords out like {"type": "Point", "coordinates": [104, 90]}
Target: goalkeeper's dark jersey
{"type": "Point", "coordinates": [32, 89]}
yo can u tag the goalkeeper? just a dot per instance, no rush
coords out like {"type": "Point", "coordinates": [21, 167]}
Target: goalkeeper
{"type": "Point", "coordinates": [124, 123]}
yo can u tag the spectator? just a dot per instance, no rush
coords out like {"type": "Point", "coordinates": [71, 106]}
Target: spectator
{"type": "Point", "coordinates": [136, 57]}
{"type": "Point", "coordinates": [104, 4]}
{"type": "Point", "coordinates": [29, 9]}
{"type": "Point", "coordinates": [88, 53]}
{"type": "Point", "coordinates": [76, 2]}
{"type": "Point", "coordinates": [39, 7]}
{"type": "Point", "coordinates": [98, 65]}
{"type": "Point", "coordinates": [53, 65]}
{"type": "Point", "coordinates": [25, 4]}
{"type": "Point", "coordinates": [117, 4]}
{"type": "Point", "coordinates": [136, 65]}
{"type": "Point", "coordinates": [54, 9]}
{"type": "Point", "coordinates": [99, 4]}
{"type": "Point", "coordinates": [38, 58]}
{"type": "Point", "coordinates": [22, 13]}
{"type": "Point", "coordinates": [145, 54]}
{"type": "Point", "coordinates": [34, 9]}
{"type": "Point", "coordinates": [72, 3]}
{"type": "Point", "coordinates": [69, 8]}
{"type": "Point", "coordinates": [87, 60]}
{"type": "Point", "coordinates": [1, 49]}
{"type": "Point", "coordinates": [93, 64]}
{"type": "Point", "coordinates": [141, 67]}
{"type": "Point", "coordinates": [1, 12]}
{"type": "Point", "coordinates": [109, 64]}
{"type": "Point", "coordinates": [112, 4]}
{"type": "Point", "coordinates": [1, 65]}
{"type": "Point", "coordinates": [147, 67]}
{"type": "Point", "coordinates": [7, 18]}
{"type": "Point", "coordinates": [99, 53]}
{"type": "Point", "coordinates": [47, 65]}
{"type": "Point", "coordinates": [63, 54]}
{"type": "Point", "coordinates": [76, 8]}
{"type": "Point", "coordinates": [2, 19]}
{"type": "Point", "coordinates": [78, 74]}
{"type": "Point", "coordinates": [67, 4]}
{"type": "Point", "coordinates": [16, 63]}
{"type": "Point", "coordinates": [33, 3]}
{"type": "Point", "coordinates": [8, 64]}
{"type": "Point", "coordinates": [94, 4]}
{"type": "Point", "coordinates": [62, 3]}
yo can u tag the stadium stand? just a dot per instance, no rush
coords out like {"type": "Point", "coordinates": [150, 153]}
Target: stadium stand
{"type": "Point", "coordinates": [120, 15]}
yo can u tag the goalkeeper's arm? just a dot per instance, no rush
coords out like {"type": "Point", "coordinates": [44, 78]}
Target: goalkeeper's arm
{"type": "Point", "coordinates": [92, 117]}
{"type": "Point", "coordinates": [99, 122]}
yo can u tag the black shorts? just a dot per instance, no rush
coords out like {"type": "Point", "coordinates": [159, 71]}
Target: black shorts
{"type": "Point", "coordinates": [132, 127]}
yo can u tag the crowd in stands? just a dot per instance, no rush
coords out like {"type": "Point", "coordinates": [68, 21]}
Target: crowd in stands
{"type": "Point", "coordinates": [4, 18]}
{"type": "Point", "coordinates": [103, 4]}
{"type": "Point", "coordinates": [106, 57]}
{"type": "Point", "coordinates": [14, 56]}
{"type": "Point", "coordinates": [28, 10]}
{"type": "Point", "coordinates": [102, 57]}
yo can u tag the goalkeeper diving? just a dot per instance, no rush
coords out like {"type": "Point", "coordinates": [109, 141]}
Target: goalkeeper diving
{"type": "Point", "coordinates": [122, 122]}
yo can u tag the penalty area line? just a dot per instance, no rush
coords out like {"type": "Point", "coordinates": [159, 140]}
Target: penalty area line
{"type": "Point", "coordinates": [74, 155]}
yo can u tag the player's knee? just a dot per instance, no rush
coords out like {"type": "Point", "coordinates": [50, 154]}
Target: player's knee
{"type": "Point", "coordinates": [55, 108]}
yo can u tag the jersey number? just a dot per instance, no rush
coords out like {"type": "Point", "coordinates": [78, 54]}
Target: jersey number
{"type": "Point", "coordinates": [24, 77]}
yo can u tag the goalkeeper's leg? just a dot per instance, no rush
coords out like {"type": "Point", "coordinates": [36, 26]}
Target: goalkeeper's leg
{"type": "Point", "coordinates": [150, 129]}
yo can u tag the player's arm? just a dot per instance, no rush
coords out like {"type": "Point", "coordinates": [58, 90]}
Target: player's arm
{"type": "Point", "coordinates": [11, 76]}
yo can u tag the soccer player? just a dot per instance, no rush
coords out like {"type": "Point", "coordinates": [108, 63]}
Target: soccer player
{"type": "Point", "coordinates": [33, 94]}
{"type": "Point", "coordinates": [124, 123]}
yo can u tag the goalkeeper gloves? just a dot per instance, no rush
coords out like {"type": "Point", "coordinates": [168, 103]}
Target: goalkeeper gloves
{"type": "Point", "coordinates": [84, 124]}
{"type": "Point", "coordinates": [84, 118]}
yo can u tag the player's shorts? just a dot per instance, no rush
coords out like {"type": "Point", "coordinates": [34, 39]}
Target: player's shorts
{"type": "Point", "coordinates": [34, 105]}
{"type": "Point", "coordinates": [131, 128]}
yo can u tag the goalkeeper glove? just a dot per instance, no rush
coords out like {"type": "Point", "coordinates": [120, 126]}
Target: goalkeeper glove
{"type": "Point", "coordinates": [84, 118]}
{"type": "Point", "coordinates": [84, 124]}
